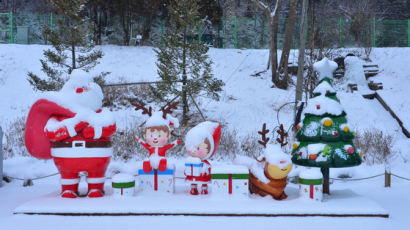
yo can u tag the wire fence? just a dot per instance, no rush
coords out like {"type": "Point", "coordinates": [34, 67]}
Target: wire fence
{"type": "Point", "coordinates": [29, 182]}
{"type": "Point", "coordinates": [234, 32]}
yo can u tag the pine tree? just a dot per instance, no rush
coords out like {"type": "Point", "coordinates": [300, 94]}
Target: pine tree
{"type": "Point", "coordinates": [324, 137]}
{"type": "Point", "coordinates": [184, 61]}
{"type": "Point", "coordinates": [71, 46]}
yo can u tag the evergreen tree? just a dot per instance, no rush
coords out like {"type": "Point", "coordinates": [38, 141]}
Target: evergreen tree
{"type": "Point", "coordinates": [184, 61]}
{"type": "Point", "coordinates": [324, 137]}
{"type": "Point", "coordinates": [71, 46]}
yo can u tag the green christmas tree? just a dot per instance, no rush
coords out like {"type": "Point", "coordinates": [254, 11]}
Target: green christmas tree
{"type": "Point", "coordinates": [324, 138]}
{"type": "Point", "coordinates": [71, 46]}
{"type": "Point", "coordinates": [183, 60]}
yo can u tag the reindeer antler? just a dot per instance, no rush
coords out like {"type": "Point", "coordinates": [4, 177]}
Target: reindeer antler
{"type": "Point", "coordinates": [263, 133]}
{"type": "Point", "coordinates": [167, 109]}
{"type": "Point", "coordinates": [282, 136]}
{"type": "Point", "coordinates": [141, 105]}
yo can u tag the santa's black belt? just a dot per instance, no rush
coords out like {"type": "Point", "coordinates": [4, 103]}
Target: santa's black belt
{"type": "Point", "coordinates": [82, 144]}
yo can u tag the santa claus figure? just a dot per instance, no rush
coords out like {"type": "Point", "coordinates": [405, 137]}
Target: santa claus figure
{"type": "Point", "coordinates": [201, 143]}
{"type": "Point", "coordinates": [157, 133]}
{"type": "Point", "coordinates": [70, 127]}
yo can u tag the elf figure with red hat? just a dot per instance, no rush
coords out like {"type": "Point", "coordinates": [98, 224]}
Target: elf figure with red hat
{"type": "Point", "coordinates": [157, 134]}
{"type": "Point", "coordinates": [70, 127]}
{"type": "Point", "coordinates": [201, 143]}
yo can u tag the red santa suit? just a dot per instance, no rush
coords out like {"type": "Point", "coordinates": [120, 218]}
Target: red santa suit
{"type": "Point", "coordinates": [155, 153]}
{"type": "Point", "coordinates": [197, 135]}
{"type": "Point", "coordinates": [70, 128]}
{"type": "Point", "coordinates": [156, 159]}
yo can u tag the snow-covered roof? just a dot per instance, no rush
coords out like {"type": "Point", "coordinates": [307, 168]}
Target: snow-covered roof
{"type": "Point", "coordinates": [325, 68]}
{"type": "Point", "coordinates": [321, 105]}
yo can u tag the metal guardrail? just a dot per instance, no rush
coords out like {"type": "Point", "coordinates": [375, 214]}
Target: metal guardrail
{"type": "Point", "coordinates": [1, 156]}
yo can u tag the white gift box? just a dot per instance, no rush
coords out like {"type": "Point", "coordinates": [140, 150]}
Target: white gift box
{"type": "Point", "coordinates": [123, 185]}
{"type": "Point", "coordinates": [193, 166]}
{"type": "Point", "coordinates": [157, 181]}
{"type": "Point", "coordinates": [310, 185]}
{"type": "Point", "coordinates": [230, 180]}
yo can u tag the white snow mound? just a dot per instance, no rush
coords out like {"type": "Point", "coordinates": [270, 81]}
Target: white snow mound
{"type": "Point", "coordinates": [312, 173]}
{"type": "Point", "coordinates": [323, 88]}
{"type": "Point", "coordinates": [354, 71]}
{"type": "Point", "coordinates": [274, 155]}
{"type": "Point", "coordinates": [321, 105]}
{"type": "Point", "coordinates": [199, 133]}
{"type": "Point", "coordinates": [122, 178]}
{"type": "Point", "coordinates": [157, 120]}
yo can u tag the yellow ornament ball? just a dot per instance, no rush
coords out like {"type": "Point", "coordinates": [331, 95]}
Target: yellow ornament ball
{"type": "Point", "coordinates": [361, 154]}
{"type": "Point", "coordinates": [327, 122]}
{"type": "Point", "coordinates": [295, 146]}
{"type": "Point", "coordinates": [346, 129]}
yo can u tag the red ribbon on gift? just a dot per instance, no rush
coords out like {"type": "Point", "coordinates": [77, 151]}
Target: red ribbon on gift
{"type": "Point", "coordinates": [230, 183]}
{"type": "Point", "coordinates": [311, 192]}
{"type": "Point", "coordinates": [155, 179]}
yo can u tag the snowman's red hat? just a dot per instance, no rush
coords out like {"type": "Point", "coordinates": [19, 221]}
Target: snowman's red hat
{"type": "Point", "coordinates": [198, 134]}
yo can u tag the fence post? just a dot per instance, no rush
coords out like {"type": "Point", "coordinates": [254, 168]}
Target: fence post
{"type": "Point", "coordinates": [199, 33]}
{"type": "Point", "coordinates": [387, 177]}
{"type": "Point", "coordinates": [374, 32]}
{"type": "Point", "coordinates": [340, 32]}
{"type": "Point", "coordinates": [162, 31]}
{"type": "Point", "coordinates": [408, 33]}
{"type": "Point", "coordinates": [1, 157]}
{"type": "Point", "coordinates": [236, 32]}
{"type": "Point", "coordinates": [11, 28]}
{"type": "Point", "coordinates": [51, 22]}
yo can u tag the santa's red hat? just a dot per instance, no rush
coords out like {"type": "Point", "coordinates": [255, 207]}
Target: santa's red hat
{"type": "Point", "coordinates": [204, 130]}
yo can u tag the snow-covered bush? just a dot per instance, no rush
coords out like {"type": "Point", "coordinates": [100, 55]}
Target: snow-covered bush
{"type": "Point", "coordinates": [119, 96]}
{"type": "Point", "coordinates": [376, 146]}
{"type": "Point", "coordinates": [13, 142]}
{"type": "Point", "coordinates": [232, 144]}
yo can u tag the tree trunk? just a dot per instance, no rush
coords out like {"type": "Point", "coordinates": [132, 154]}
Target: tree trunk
{"type": "Point", "coordinates": [184, 81]}
{"type": "Point", "coordinates": [284, 59]}
{"type": "Point", "coordinates": [73, 57]}
{"type": "Point", "coordinates": [301, 58]}
{"type": "Point", "coordinates": [274, 21]}
{"type": "Point", "coordinates": [325, 172]}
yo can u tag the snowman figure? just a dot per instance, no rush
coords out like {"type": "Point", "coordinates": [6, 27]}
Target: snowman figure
{"type": "Point", "coordinates": [201, 143]}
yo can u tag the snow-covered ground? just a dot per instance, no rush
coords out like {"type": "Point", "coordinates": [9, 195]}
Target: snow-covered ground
{"type": "Point", "coordinates": [245, 104]}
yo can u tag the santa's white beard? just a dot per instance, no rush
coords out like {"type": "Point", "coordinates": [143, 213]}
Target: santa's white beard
{"type": "Point", "coordinates": [91, 99]}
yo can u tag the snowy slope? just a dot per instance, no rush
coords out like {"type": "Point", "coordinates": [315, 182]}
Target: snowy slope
{"type": "Point", "coordinates": [245, 104]}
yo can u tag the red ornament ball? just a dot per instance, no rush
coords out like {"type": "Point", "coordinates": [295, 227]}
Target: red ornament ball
{"type": "Point", "coordinates": [335, 133]}
{"type": "Point", "coordinates": [317, 106]}
{"type": "Point", "coordinates": [350, 150]}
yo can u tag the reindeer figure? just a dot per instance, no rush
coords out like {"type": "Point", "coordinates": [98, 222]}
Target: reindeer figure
{"type": "Point", "coordinates": [156, 134]}
{"type": "Point", "coordinates": [268, 173]}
